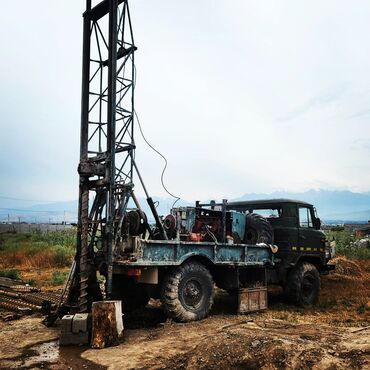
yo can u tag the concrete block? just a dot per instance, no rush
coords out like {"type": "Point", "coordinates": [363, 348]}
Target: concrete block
{"type": "Point", "coordinates": [80, 323]}
{"type": "Point", "coordinates": [66, 323]}
{"type": "Point", "coordinates": [74, 339]}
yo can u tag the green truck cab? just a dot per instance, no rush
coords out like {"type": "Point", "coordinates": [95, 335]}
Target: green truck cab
{"type": "Point", "coordinates": [303, 250]}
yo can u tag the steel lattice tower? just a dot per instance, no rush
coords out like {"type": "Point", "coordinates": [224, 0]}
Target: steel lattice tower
{"type": "Point", "coordinates": [107, 139]}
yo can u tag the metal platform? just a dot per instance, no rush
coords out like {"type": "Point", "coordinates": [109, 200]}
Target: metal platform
{"type": "Point", "coordinates": [172, 253]}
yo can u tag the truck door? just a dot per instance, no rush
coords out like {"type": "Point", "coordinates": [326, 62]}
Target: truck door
{"type": "Point", "coordinates": [307, 234]}
{"type": "Point", "coordinates": [286, 234]}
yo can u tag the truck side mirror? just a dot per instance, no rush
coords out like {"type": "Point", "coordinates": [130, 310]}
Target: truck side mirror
{"type": "Point", "coordinates": [318, 224]}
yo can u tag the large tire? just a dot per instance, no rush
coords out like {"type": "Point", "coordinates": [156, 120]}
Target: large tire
{"type": "Point", "coordinates": [258, 230]}
{"type": "Point", "coordinates": [187, 292]}
{"type": "Point", "coordinates": [303, 285]}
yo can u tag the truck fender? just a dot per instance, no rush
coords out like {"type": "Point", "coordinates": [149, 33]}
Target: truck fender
{"type": "Point", "coordinates": [200, 257]}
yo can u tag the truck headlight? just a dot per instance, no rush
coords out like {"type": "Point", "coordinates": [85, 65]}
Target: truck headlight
{"type": "Point", "coordinates": [333, 246]}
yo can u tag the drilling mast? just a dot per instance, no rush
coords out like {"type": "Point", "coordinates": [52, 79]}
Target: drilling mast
{"type": "Point", "coordinates": [107, 146]}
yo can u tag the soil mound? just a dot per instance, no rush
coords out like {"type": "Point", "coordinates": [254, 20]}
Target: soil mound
{"type": "Point", "coordinates": [346, 267]}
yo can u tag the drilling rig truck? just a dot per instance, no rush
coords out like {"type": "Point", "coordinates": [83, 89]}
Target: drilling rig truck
{"type": "Point", "coordinates": [184, 255]}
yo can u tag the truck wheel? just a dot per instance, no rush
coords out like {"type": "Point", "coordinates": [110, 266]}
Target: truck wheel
{"type": "Point", "coordinates": [187, 292]}
{"type": "Point", "coordinates": [303, 286]}
{"type": "Point", "coordinates": [258, 230]}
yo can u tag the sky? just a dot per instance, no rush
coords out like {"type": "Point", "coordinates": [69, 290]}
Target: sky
{"type": "Point", "coordinates": [241, 96]}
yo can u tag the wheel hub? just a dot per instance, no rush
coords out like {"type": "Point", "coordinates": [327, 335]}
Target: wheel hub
{"type": "Point", "coordinates": [192, 293]}
{"type": "Point", "coordinates": [307, 287]}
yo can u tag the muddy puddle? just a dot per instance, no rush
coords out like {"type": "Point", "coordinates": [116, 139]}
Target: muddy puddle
{"type": "Point", "coordinates": [49, 355]}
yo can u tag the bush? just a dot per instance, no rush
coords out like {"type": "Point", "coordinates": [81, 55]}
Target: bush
{"type": "Point", "coordinates": [362, 308]}
{"type": "Point", "coordinates": [11, 274]}
{"type": "Point", "coordinates": [31, 282]}
{"type": "Point", "coordinates": [337, 228]}
{"type": "Point", "coordinates": [345, 247]}
{"type": "Point", "coordinates": [65, 238]}
{"type": "Point", "coordinates": [62, 256]}
{"type": "Point", "coordinates": [37, 249]}
{"type": "Point", "coordinates": [59, 278]}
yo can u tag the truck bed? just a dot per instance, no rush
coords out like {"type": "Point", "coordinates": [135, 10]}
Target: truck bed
{"type": "Point", "coordinates": [172, 253]}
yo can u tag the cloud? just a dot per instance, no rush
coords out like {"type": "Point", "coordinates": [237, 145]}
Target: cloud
{"type": "Point", "coordinates": [361, 144]}
{"type": "Point", "coordinates": [361, 114]}
{"type": "Point", "coordinates": [324, 99]}
{"type": "Point", "coordinates": [249, 97]}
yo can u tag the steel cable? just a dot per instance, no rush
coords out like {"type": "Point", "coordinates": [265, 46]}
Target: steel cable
{"type": "Point", "coordinates": [155, 150]}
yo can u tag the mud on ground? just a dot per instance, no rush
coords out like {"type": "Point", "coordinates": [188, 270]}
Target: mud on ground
{"type": "Point", "coordinates": [238, 342]}
{"type": "Point", "coordinates": [334, 335]}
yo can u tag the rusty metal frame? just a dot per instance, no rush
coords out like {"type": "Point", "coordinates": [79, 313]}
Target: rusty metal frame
{"type": "Point", "coordinates": [107, 139]}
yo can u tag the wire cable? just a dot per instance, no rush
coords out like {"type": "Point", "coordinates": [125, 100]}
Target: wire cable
{"type": "Point", "coordinates": [154, 149]}
{"type": "Point", "coordinates": [162, 156]}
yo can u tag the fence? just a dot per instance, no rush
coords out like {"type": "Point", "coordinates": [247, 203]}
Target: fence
{"type": "Point", "coordinates": [27, 228]}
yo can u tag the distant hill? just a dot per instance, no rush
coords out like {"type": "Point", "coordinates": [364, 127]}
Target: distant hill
{"type": "Point", "coordinates": [67, 211]}
{"type": "Point", "coordinates": [350, 217]}
{"type": "Point", "coordinates": [334, 206]}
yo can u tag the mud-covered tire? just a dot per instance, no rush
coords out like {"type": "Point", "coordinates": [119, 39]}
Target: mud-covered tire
{"type": "Point", "coordinates": [258, 230]}
{"type": "Point", "coordinates": [187, 292]}
{"type": "Point", "coordinates": [303, 285]}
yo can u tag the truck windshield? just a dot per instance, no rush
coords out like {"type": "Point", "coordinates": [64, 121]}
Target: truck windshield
{"type": "Point", "coordinates": [268, 212]}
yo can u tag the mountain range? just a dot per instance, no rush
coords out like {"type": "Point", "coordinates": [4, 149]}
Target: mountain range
{"type": "Point", "coordinates": [332, 206]}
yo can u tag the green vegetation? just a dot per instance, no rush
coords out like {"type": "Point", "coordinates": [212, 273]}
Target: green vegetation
{"type": "Point", "coordinates": [59, 278]}
{"type": "Point", "coordinates": [65, 238]}
{"type": "Point", "coordinates": [12, 274]}
{"type": "Point", "coordinates": [344, 244]}
{"type": "Point", "coordinates": [31, 282]}
{"type": "Point", "coordinates": [52, 249]}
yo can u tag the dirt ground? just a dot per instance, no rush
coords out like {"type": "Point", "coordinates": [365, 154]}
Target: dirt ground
{"type": "Point", "coordinates": [333, 335]}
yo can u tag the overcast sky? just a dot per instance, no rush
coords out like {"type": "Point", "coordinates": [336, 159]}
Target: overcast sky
{"type": "Point", "coordinates": [241, 96]}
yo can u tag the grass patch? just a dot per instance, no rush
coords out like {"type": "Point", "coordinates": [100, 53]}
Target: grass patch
{"type": "Point", "coordinates": [37, 250]}
{"type": "Point", "coordinates": [31, 282]}
{"type": "Point", "coordinates": [11, 274]}
{"type": "Point", "coordinates": [58, 278]}
{"type": "Point", "coordinates": [67, 237]}
{"type": "Point", "coordinates": [345, 244]}
{"type": "Point", "coordinates": [361, 309]}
